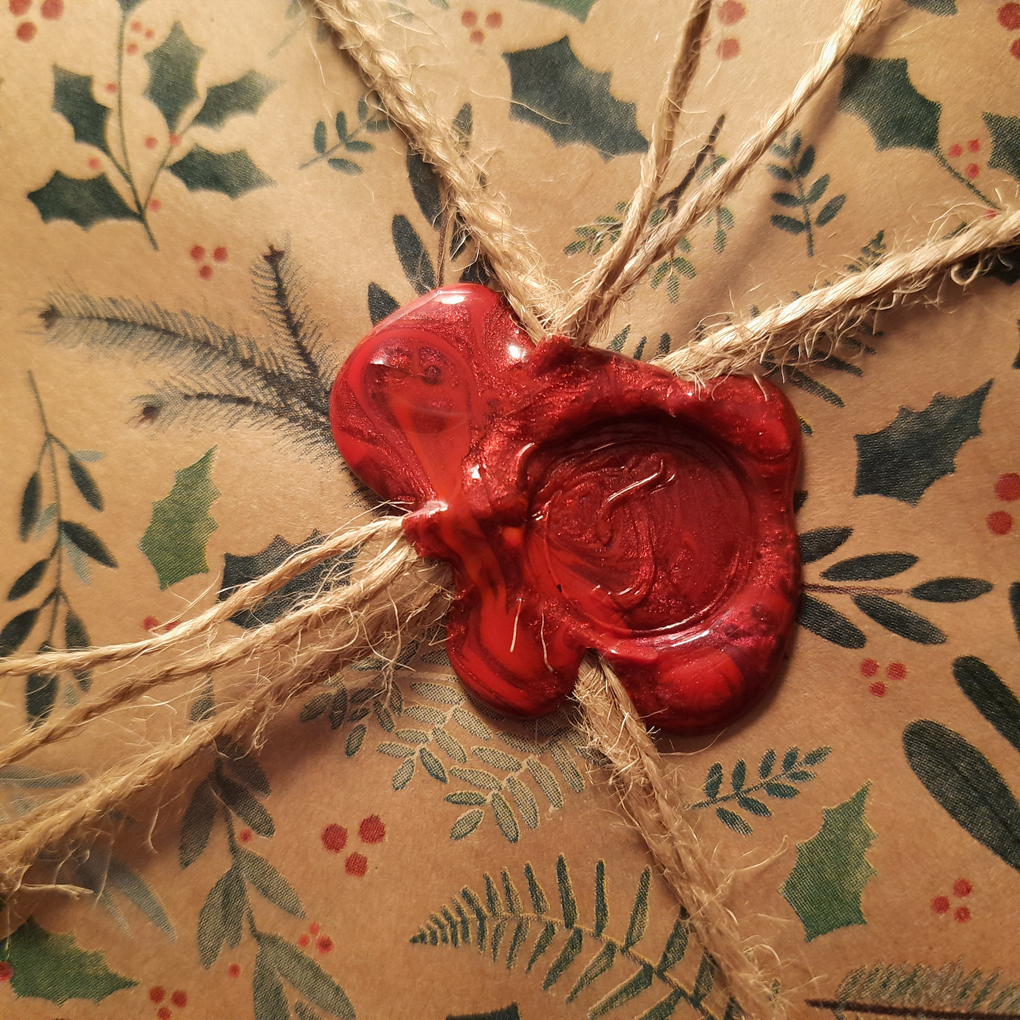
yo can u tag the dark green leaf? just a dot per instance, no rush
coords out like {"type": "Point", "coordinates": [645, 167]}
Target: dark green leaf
{"type": "Point", "coordinates": [899, 619]}
{"type": "Point", "coordinates": [566, 957]}
{"type": "Point", "coordinates": [341, 127]}
{"type": "Point", "coordinates": [991, 697]}
{"type": "Point", "coordinates": [465, 797]}
{"type": "Point", "coordinates": [788, 223]}
{"type": "Point", "coordinates": [828, 211]}
{"type": "Point", "coordinates": [666, 1007]}
{"type": "Point", "coordinates": [950, 589]}
{"type": "Point", "coordinates": [338, 709]}
{"type": "Point", "coordinates": [817, 756]}
{"type": "Point", "coordinates": [40, 694]}
{"type": "Point", "coordinates": [131, 886]}
{"type": "Point", "coordinates": [73, 100]}
{"type": "Point", "coordinates": [784, 198]}
{"type": "Point", "coordinates": [29, 507]}
{"type": "Point", "coordinates": [425, 187]}
{"type": "Point", "coordinates": [525, 801]}
{"type": "Point", "coordinates": [754, 806]}
{"type": "Point", "coordinates": [467, 823]}
{"type": "Point", "coordinates": [542, 943]}
{"type": "Point", "coordinates": [268, 881]}
{"type": "Point", "coordinates": [1005, 132]}
{"type": "Point", "coordinates": [127, 6]}
{"type": "Point", "coordinates": [870, 567]}
{"type": "Point", "coordinates": [306, 976]}
{"type": "Point", "coordinates": [245, 767]}
{"type": "Point", "coordinates": [432, 765]}
{"type": "Point", "coordinates": [449, 745]}
{"type": "Point", "coordinates": [319, 137]}
{"type": "Point", "coordinates": [817, 190]}
{"type": "Point", "coordinates": [806, 163]}
{"type": "Point", "coordinates": [16, 630]}
{"type": "Point", "coordinates": [245, 95]}
{"type": "Point", "coordinates": [676, 945]}
{"type": "Point", "coordinates": [738, 775]}
{"type": "Point", "coordinates": [81, 200]}
{"type": "Point", "coordinates": [790, 758]}
{"type": "Point", "coordinates": [880, 92]}
{"type": "Point", "coordinates": [88, 541]}
{"type": "Point", "coordinates": [267, 991]}
{"type": "Point", "coordinates": [477, 777]}
{"type": "Point", "coordinates": [546, 783]}
{"type": "Point", "coordinates": [639, 912]}
{"type": "Point", "coordinates": [210, 923]}
{"type": "Point", "coordinates": [230, 173]}
{"type": "Point", "coordinates": [554, 91]}
{"type": "Point", "coordinates": [27, 581]}
{"type": "Point", "coordinates": [198, 823]}
{"type": "Point", "coordinates": [241, 801]}
{"type": "Point", "coordinates": [704, 981]}
{"type": "Point", "coordinates": [1014, 605]}
{"type": "Point", "coordinates": [462, 124]}
{"type": "Point", "coordinates": [579, 9]}
{"type": "Point", "coordinates": [380, 303]}
{"type": "Point", "coordinates": [404, 774]}
{"type": "Point", "coordinates": [414, 257]}
{"type": "Point", "coordinates": [567, 901]}
{"type": "Point", "coordinates": [505, 818]}
{"type": "Point", "coordinates": [940, 8]}
{"type": "Point", "coordinates": [517, 940]}
{"type": "Point", "coordinates": [630, 989]}
{"type": "Point", "coordinates": [83, 480]}
{"type": "Point", "coordinates": [305, 1012]}
{"type": "Point", "coordinates": [345, 166]}
{"type": "Point", "coordinates": [601, 901]}
{"type": "Point", "coordinates": [966, 785]}
{"type": "Point", "coordinates": [354, 741]}
{"type": "Point", "coordinates": [355, 145]}
{"type": "Point", "coordinates": [602, 961]}
{"type": "Point", "coordinates": [821, 619]}
{"type": "Point", "coordinates": [235, 902]}
{"type": "Point", "coordinates": [172, 67]}
{"type": "Point", "coordinates": [713, 780]}
{"type": "Point", "coordinates": [497, 759]}
{"type": "Point", "coordinates": [780, 173]}
{"type": "Point", "coordinates": [781, 790]}
{"type": "Point", "coordinates": [733, 821]}
{"type": "Point", "coordinates": [767, 764]}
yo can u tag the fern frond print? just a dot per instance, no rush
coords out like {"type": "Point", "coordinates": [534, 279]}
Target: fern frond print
{"type": "Point", "coordinates": [501, 925]}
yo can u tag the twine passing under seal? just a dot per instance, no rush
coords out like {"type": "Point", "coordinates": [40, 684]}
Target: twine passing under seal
{"type": "Point", "coordinates": [392, 594]}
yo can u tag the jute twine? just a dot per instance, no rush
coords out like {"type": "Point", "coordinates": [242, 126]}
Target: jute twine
{"type": "Point", "coordinates": [392, 595]}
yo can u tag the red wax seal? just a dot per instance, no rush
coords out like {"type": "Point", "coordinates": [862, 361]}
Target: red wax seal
{"type": "Point", "coordinates": [584, 500]}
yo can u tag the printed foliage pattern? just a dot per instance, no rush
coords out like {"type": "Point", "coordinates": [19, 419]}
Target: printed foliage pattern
{"type": "Point", "coordinates": [534, 934]}
{"type": "Point", "coordinates": [516, 771]}
{"type": "Point", "coordinates": [794, 768]}
{"type": "Point", "coordinates": [234, 791]}
{"type": "Point", "coordinates": [959, 776]}
{"type": "Point", "coordinates": [849, 578]}
{"type": "Point", "coordinates": [172, 88]}
{"type": "Point", "coordinates": [43, 516]}
{"type": "Point", "coordinates": [371, 119]}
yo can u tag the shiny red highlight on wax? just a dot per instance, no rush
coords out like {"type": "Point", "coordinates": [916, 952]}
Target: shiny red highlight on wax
{"type": "Point", "coordinates": [584, 501]}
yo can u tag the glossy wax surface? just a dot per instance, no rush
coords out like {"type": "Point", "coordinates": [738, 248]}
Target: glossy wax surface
{"type": "Point", "coordinates": [584, 500]}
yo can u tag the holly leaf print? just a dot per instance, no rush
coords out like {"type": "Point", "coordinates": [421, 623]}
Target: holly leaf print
{"type": "Point", "coordinates": [73, 100]}
{"type": "Point", "coordinates": [174, 542]}
{"type": "Point", "coordinates": [1005, 133]}
{"type": "Point", "coordinates": [579, 9]}
{"type": "Point", "coordinates": [230, 173]}
{"type": "Point", "coordinates": [828, 879]}
{"type": "Point", "coordinates": [81, 200]}
{"type": "Point", "coordinates": [880, 92]}
{"type": "Point", "coordinates": [918, 447]}
{"type": "Point", "coordinates": [54, 968]}
{"type": "Point", "coordinates": [172, 67]}
{"type": "Point", "coordinates": [245, 95]}
{"type": "Point", "coordinates": [554, 91]}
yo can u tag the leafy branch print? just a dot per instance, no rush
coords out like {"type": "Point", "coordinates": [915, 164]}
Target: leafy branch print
{"type": "Point", "coordinates": [500, 923]}
{"type": "Point", "coordinates": [371, 118]}
{"type": "Point", "coordinates": [43, 513]}
{"type": "Point", "coordinates": [172, 89]}
{"type": "Point", "coordinates": [793, 768]}
{"type": "Point", "coordinates": [431, 737]}
{"type": "Point", "coordinates": [280, 381]}
{"type": "Point", "coordinates": [846, 578]}
{"type": "Point", "coordinates": [797, 164]}
{"type": "Point", "coordinates": [234, 791]}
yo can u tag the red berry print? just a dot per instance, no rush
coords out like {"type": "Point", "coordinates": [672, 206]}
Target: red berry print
{"type": "Point", "coordinates": [26, 31]}
{"type": "Point", "coordinates": [973, 145]}
{"type": "Point", "coordinates": [220, 254]}
{"type": "Point", "coordinates": [896, 671]}
{"type": "Point", "coordinates": [18, 7]}
{"type": "Point", "coordinates": [1015, 48]}
{"type": "Point", "coordinates": [940, 904]}
{"type": "Point", "coordinates": [136, 26]}
{"type": "Point", "coordinates": [999, 523]}
{"type": "Point", "coordinates": [205, 272]}
{"type": "Point", "coordinates": [155, 205]}
{"type": "Point", "coordinates": [955, 150]}
{"type": "Point", "coordinates": [111, 87]}
{"type": "Point", "coordinates": [728, 49]}
{"type": "Point", "coordinates": [179, 999]}
{"type": "Point", "coordinates": [150, 142]}
{"type": "Point", "coordinates": [477, 37]}
{"type": "Point", "coordinates": [868, 667]}
{"type": "Point", "coordinates": [962, 914]}
{"type": "Point", "coordinates": [972, 170]}
{"type": "Point", "coordinates": [314, 927]}
{"type": "Point", "coordinates": [731, 12]}
{"type": "Point", "coordinates": [494, 20]}
{"type": "Point", "coordinates": [93, 163]}
{"type": "Point", "coordinates": [6, 970]}
{"type": "Point", "coordinates": [197, 253]}
{"type": "Point", "coordinates": [51, 10]}
{"type": "Point", "coordinates": [157, 993]}
{"type": "Point", "coordinates": [245, 834]}
{"type": "Point", "coordinates": [304, 940]}
{"type": "Point", "coordinates": [1009, 16]}
{"type": "Point", "coordinates": [150, 623]}
{"type": "Point", "coordinates": [372, 830]}
{"type": "Point", "coordinates": [334, 838]}
{"type": "Point", "coordinates": [356, 864]}
{"type": "Point", "coordinates": [132, 49]}
{"type": "Point", "coordinates": [325, 944]}
{"type": "Point", "coordinates": [1007, 488]}
{"type": "Point", "coordinates": [878, 689]}
{"type": "Point", "coordinates": [163, 1013]}
{"type": "Point", "coordinates": [149, 33]}
{"type": "Point", "coordinates": [469, 19]}
{"type": "Point", "coordinates": [234, 970]}
{"type": "Point", "coordinates": [962, 888]}
{"type": "Point", "coordinates": [175, 140]}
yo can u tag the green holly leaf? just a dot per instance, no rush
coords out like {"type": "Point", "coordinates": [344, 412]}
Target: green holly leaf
{"type": "Point", "coordinates": [828, 879]}
{"type": "Point", "coordinates": [73, 100]}
{"type": "Point", "coordinates": [1005, 143]}
{"type": "Point", "coordinates": [245, 95]}
{"type": "Point", "coordinates": [231, 173]}
{"type": "Point", "coordinates": [579, 9]}
{"type": "Point", "coordinates": [918, 447]}
{"type": "Point", "coordinates": [553, 90]}
{"type": "Point", "coordinates": [54, 968]}
{"type": "Point", "coordinates": [172, 67]}
{"type": "Point", "coordinates": [880, 92]}
{"type": "Point", "coordinates": [174, 542]}
{"type": "Point", "coordinates": [81, 200]}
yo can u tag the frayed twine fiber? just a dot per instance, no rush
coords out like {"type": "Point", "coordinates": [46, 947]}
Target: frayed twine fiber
{"type": "Point", "coordinates": [392, 594]}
